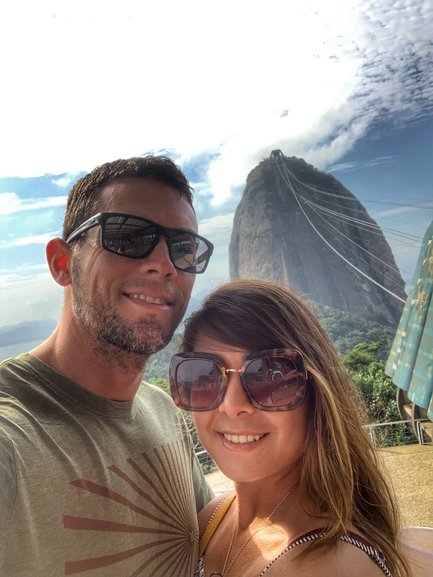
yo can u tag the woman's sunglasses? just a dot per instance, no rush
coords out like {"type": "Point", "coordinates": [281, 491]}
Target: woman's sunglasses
{"type": "Point", "coordinates": [273, 380]}
{"type": "Point", "coordinates": [136, 237]}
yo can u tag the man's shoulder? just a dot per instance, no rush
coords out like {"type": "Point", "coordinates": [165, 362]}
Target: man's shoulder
{"type": "Point", "coordinates": [158, 406]}
{"type": "Point", "coordinates": [17, 371]}
{"type": "Point", "coordinates": [151, 389]}
{"type": "Point", "coordinates": [154, 397]}
{"type": "Point", "coordinates": [6, 364]}
{"type": "Point", "coordinates": [10, 374]}
{"type": "Point", "coordinates": [149, 393]}
{"type": "Point", "coordinates": [15, 366]}
{"type": "Point", "coordinates": [21, 388]}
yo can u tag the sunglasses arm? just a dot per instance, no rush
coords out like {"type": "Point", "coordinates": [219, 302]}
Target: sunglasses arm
{"type": "Point", "coordinates": [93, 221]}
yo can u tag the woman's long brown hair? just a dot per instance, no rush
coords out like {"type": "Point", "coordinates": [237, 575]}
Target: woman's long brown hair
{"type": "Point", "coordinates": [340, 468]}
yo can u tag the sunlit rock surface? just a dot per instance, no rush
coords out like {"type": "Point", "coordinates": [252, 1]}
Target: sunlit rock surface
{"type": "Point", "coordinates": [286, 205]}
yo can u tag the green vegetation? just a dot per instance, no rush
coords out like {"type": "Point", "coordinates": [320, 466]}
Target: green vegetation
{"type": "Point", "coordinates": [158, 365]}
{"type": "Point", "coordinates": [378, 392]}
{"type": "Point", "coordinates": [161, 383]}
{"type": "Point", "coordinates": [377, 389]}
{"type": "Point", "coordinates": [347, 330]}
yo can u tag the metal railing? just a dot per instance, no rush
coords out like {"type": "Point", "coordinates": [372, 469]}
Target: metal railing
{"type": "Point", "coordinates": [206, 462]}
{"type": "Point", "coordinates": [409, 431]}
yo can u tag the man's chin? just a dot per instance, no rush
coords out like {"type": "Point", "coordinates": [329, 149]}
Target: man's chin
{"type": "Point", "coordinates": [144, 351]}
{"type": "Point", "coordinates": [141, 347]}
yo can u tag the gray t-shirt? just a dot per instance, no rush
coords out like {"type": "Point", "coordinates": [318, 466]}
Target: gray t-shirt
{"type": "Point", "coordinates": [93, 487]}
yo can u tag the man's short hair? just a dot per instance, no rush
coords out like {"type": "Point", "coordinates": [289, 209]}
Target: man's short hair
{"type": "Point", "coordinates": [83, 197]}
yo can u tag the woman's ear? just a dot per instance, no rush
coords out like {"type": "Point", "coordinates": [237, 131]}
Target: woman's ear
{"type": "Point", "coordinates": [58, 254]}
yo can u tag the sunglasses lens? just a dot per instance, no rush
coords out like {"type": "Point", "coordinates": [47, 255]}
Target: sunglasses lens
{"type": "Point", "coordinates": [199, 383]}
{"type": "Point", "coordinates": [136, 238]}
{"type": "Point", "coordinates": [275, 381]}
{"type": "Point", "coordinates": [189, 252]}
{"type": "Point", "coordinates": [128, 236]}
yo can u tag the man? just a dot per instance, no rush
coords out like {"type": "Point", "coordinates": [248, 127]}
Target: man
{"type": "Point", "coordinates": [97, 474]}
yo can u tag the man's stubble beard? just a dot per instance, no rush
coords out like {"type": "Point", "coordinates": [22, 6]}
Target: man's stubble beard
{"type": "Point", "coordinates": [114, 336]}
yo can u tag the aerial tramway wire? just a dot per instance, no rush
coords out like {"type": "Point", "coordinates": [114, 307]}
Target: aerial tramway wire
{"type": "Point", "coordinates": [353, 198]}
{"type": "Point", "coordinates": [286, 175]}
{"type": "Point", "coordinates": [370, 254]}
{"type": "Point", "coordinates": [359, 223]}
{"type": "Point", "coordinates": [307, 189]}
{"type": "Point", "coordinates": [329, 224]}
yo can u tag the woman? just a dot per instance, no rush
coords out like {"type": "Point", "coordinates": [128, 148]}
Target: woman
{"type": "Point", "coordinates": [276, 411]}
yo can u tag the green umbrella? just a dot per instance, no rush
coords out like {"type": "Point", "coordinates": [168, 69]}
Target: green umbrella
{"type": "Point", "coordinates": [410, 363]}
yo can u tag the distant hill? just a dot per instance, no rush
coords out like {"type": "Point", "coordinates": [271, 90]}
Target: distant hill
{"type": "Point", "coordinates": [287, 210]}
{"type": "Point", "coordinates": [26, 331]}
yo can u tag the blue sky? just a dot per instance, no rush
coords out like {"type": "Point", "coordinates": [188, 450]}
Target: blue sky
{"type": "Point", "coordinates": [346, 86]}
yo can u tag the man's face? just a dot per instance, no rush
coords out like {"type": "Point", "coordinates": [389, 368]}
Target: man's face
{"type": "Point", "coordinates": [134, 304]}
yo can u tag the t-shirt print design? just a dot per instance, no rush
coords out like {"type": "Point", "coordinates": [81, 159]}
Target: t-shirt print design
{"type": "Point", "coordinates": [156, 498]}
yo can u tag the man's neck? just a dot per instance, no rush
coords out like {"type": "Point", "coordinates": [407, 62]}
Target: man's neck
{"type": "Point", "coordinates": [101, 368]}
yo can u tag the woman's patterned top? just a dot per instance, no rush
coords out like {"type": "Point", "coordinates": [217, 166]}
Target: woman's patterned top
{"type": "Point", "coordinates": [349, 537]}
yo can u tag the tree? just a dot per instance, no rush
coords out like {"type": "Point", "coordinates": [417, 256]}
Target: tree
{"type": "Point", "coordinates": [377, 389]}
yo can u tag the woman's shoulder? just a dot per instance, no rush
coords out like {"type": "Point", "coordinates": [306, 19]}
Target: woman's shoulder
{"type": "Point", "coordinates": [353, 557]}
{"type": "Point", "coordinates": [208, 512]}
{"type": "Point", "coordinates": [354, 561]}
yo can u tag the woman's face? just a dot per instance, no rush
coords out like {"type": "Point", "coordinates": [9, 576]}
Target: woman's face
{"type": "Point", "coordinates": [248, 444]}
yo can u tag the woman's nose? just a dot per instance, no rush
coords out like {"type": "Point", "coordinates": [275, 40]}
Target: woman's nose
{"type": "Point", "coordinates": [235, 399]}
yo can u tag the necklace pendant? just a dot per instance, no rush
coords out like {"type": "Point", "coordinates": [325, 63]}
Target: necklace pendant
{"type": "Point", "coordinates": [216, 574]}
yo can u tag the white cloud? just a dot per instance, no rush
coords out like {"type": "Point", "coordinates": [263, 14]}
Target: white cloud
{"type": "Point", "coordinates": [218, 230]}
{"type": "Point", "coordinates": [381, 68]}
{"type": "Point", "coordinates": [64, 181]}
{"type": "Point", "coordinates": [27, 240]}
{"type": "Point", "coordinates": [206, 77]}
{"type": "Point", "coordinates": [356, 165]}
{"type": "Point", "coordinates": [10, 202]}
{"type": "Point", "coordinates": [217, 225]}
{"type": "Point", "coordinates": [401, 210]}
{"type": "Point", "coordinates": [17, 274]}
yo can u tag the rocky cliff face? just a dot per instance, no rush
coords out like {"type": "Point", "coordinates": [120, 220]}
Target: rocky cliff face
{"type": "Point", "coordinates": [291, 223]}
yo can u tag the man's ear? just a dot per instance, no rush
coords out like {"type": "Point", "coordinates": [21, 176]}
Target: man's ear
{"type": "Point", "coordinates": [58, 257]}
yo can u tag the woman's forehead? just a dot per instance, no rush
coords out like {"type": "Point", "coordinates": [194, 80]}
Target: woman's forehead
{"type": "Point", "coordinates": [204, 343]}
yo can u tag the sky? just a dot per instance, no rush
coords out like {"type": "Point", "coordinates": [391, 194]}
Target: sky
{"type": "Point", "coordinates": [348, 86]}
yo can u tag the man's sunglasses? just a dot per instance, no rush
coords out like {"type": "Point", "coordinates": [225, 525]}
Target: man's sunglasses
{"type": "Point", "coordinates": [136, 237]}
{"type": "Point", "coordinates": [273, 380]}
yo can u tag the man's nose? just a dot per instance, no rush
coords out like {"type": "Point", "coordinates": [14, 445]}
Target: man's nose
{"type": "Point", "coordinates": [158, 261]}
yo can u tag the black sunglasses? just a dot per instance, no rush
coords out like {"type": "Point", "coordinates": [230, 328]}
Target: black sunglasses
{"type": "Point", "coordinates": [136, 237]}
{"type": "Point", "coordinates": [273, 380]}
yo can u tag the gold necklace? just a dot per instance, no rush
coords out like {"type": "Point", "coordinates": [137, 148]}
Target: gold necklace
{"type": "Point", "coordinates": [226, 569]}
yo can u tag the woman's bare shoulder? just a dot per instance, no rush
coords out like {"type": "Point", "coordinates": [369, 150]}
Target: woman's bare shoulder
{"type": "Point", "coordinates": [206, 513]}
{"type": "Point", "coordinates": [343, 560]}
